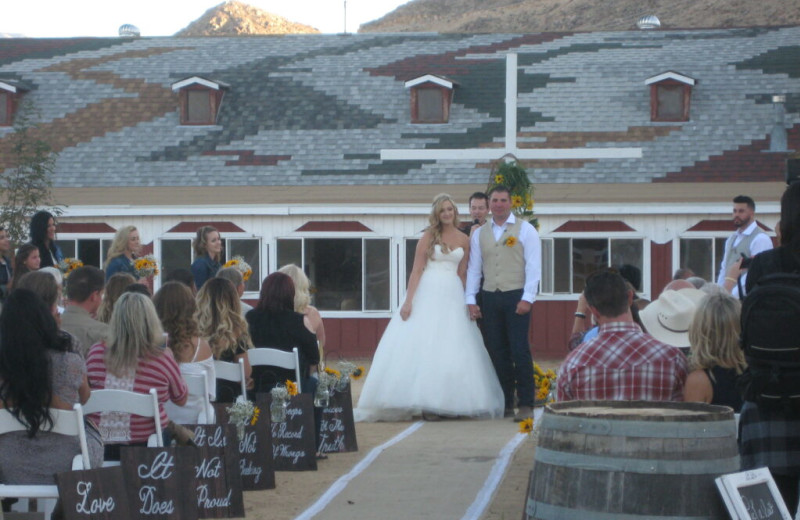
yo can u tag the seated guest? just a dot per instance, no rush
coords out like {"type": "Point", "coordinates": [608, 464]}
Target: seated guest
{"type": "Point", "coordinates": [668, 318]}
{"type": "Point", "coordinates": [114, 289]}
{"type": "Point", "coordinates": [622, 362]}
{"type": "Point", "coordinates": [134, 358]}
{"type": "Point", "coordinates": [234, 276]}
{"type": "Point", "coordinates": [219, 316]}
{"type": "Point", "coordinates": [175, 306]}
{"type": "Point", "coordinates": [38, 371]}
{"type": "Point", "coordinates": [302, 301]}
{"type": "Point", "coordinates": [26, 260]}
{"type": "Point", "coordinates": [275, 324]}
{"type": "Point", "coordinates": [123, 251]}
{"type": "Point", "coordinates": [84, 295]}
{"type": "Point", "coordinates": [716, 358]}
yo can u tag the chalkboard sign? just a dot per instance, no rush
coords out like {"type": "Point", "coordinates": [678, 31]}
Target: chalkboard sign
{"type": "Point", "coordinates": [93, 494]}
{"type": "Point", "coordinates": [293, 441]}
{"type": "Point", "coordinates": [752, 495]}
{"type": "Point", "coordinates": [159, 484]}
{"type": "Point", "coordinates": [338, 432]}
{"type": "Point", "coordinates": [253, 454]}
{"type": "Point", "coordinates": [219, 486]}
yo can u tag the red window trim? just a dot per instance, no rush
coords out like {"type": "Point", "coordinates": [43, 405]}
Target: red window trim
{"type": "Point", "coordinates": [214, 99]}
{"type": "Point", "coordinates": [687, 99]}
{"type": "Point", "coordinates": [447, 96]}
{"type": "Point", "coordinates": [11, 108]}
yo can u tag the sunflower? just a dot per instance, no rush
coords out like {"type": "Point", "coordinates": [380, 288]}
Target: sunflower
{"type": "Point", "coordinates": [499, 179]}
{"type": "Point", "coordinates": [291, 387]}
{"type": "Point", "coordinates": [516, 201]}
{"type": "Point", "coordinates": [510, 241]}
{"type": "Point", "coordinates": [358, 373]}
{"type": "Point", "coordinates": [526, 426]}
{"type": "Point", "coordinates": [256, 411]}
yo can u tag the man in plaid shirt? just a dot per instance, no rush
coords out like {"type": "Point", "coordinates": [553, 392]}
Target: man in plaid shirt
{"type": "Point", "coordinates": [622, 362]}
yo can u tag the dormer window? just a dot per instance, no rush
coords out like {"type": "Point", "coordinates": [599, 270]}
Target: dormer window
{"type": "Point", "coordinates": [199, 100]}
{"type": "Point", "coordinates": [670, 96]}
{"type": "Point", "coordinates": [431, 97]}
{"type": "Point", "coordinates": [10, 94]}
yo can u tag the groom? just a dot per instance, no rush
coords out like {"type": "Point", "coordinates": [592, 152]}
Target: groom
{"type": "Point", "coordinates": [506, 251]}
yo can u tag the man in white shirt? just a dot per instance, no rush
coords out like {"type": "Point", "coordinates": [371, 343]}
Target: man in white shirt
{"type": "Point", "coordinates": [748, 240]}
{"type": "Point", "coordinates": [506, 251]}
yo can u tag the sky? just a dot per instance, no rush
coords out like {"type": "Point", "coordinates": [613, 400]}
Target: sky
{"type": "Point", "coordinates": [65, 18]}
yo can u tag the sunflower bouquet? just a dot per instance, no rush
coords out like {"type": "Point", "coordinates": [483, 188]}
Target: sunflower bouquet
{"type": "Point", "coordinates": [346, 372]}
{"type": "Point", "coordinates": [545, 384]}
{"type": "Point", "coordinates": [67, 265]}
{"type": "Point", "coordinates": [145, 266]}
{"type": "Point", "coordinates": [241, 266]}
{"type": "Point", "coordinates": [514, 177]}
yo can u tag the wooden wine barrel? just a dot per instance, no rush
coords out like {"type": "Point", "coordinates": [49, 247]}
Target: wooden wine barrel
{"type": "Point", "coordinates": [626, 460]}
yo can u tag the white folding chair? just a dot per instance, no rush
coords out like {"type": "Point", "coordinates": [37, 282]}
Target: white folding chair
{"type": "Point", "coordinates": [273, 357]}
{"type": "Point", "coordinates": [198, 386]}
{"type": "Point", "coordinates": [125, 401]}
{"type": "Point", "coordinates": [232, 372]}
{"type": "Point", "coordinates": [64, 423]}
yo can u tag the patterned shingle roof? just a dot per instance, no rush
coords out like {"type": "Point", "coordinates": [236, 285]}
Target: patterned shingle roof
{"type": "Point", "coordinates": [318, 109]}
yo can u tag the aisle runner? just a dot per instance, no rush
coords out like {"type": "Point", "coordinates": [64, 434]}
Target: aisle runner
{"type": "Point", "coordinates": [446, 469]}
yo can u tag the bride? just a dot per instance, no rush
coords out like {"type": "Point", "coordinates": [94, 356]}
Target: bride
{"type": "Point", "coordinates": [431, 359]}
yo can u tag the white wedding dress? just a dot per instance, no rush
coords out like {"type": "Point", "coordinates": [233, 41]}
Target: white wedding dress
{"type": "Point", "coordinates": [435, 361]}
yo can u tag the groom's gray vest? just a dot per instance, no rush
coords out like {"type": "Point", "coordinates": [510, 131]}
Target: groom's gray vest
{"type": "Point", "coordinates": [503, 265]}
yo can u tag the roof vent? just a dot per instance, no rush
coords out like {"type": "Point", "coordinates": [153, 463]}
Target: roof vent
{"type": "Point", "coordinates": [649, 21]}
{"type": "Point", "coordinates": [129, 31]}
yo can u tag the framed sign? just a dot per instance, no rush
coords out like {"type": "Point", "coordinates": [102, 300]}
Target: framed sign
{"type": "Point", "coordinates": [254, 450]}
{"type": "Point", "coordinates": [96, 494]}
{"type": "Point", "coordinates": [752, 495]}
{"type": "Point", "coordinates": [338, 431]}
{"type": "Point", "coordinates": [159, 484]}
{"type": "Point", "coordinates": [293, 440]}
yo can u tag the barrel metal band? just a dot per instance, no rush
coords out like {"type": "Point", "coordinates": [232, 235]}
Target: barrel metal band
{"type": "Point", "coordinates": [645, 466]}
{"type": "Point", "coordinates": [535, 509]}
{"type": "Point", "coordinates": [678, 430]}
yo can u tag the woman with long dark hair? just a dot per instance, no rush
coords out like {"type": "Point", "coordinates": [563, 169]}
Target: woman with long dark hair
{"type": "Point", "coordinates": [43, 236]}
{"type": "Point", "coordinates": [38, 371]}
{"type": "Point", "coordinates": [208, 255]}
{"type": "Point", "coordinates": [26, 260]}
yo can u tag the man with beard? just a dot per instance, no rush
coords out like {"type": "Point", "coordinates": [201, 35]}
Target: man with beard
{"type": "Point", "coordinates": [747, 241]}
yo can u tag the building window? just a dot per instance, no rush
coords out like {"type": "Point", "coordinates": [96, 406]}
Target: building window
{"type": "Point", "coordinates": [90, 251]}
{"type": "Point", "coordinates": [199, 100]}
{"type": "Point", "coordinates": [5, 109]}
{"type": "Point", "coordinates": [431, 97]}
{"type": "Point", "coordinates": [177, 253]}
{"type": "Point", "coordinates": [670, 96]}
{"type": "Point", "coordinates": [346, 274]}
{"type": "Point", "coordinates": [568, 262]}
{"type": "Point", "coordinates": [702, 255]}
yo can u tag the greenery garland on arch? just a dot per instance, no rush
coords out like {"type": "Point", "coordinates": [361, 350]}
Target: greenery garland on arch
{"type": "Point", "coordinates": [515, 178]}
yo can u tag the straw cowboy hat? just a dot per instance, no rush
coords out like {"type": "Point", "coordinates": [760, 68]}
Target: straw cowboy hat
{"type": "Point", "coordinates": [668, 318]}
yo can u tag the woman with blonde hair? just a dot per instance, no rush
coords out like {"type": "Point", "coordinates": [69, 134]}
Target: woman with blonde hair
{"type": "Point", "coordinates": [302, 303]}
{"type": "Point", "coordinates": [219, 316]}
{"type": "Point", "coordinates": [176, 307]}
{"type": "Point", "coordinates": [114, 288]}
{"type": "Point", "coordinates": [716, 359]}
{"type": "Point", "coordinates": [431, 359]}
{"type": "Point", "coordinates": [208, 255]}
{"type": "Point", "coordinates": [134, 358]}
{"type": "Point", "coordinates": [123, 251]}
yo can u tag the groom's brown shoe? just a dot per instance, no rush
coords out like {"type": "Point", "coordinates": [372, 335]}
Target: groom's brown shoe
{"type": "Point", "coordinates": [524, 412]}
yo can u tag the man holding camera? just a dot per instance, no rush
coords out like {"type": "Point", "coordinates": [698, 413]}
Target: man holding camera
{"type": "Point", "coordinates": [478, 211]}
{"type": "Point", "coordinates": [746, 242]}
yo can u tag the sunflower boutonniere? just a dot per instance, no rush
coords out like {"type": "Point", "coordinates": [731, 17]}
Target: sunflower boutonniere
{"type": "Point", "coordinates": [510, 241]}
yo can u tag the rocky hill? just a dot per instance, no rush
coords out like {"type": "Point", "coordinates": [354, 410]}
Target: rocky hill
{"type": "Point", "coordinates": [234, 18]}
{"type": "Point", "coordinates": [526, 16]}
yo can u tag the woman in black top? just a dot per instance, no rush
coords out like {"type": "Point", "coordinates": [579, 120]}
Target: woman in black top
{"type": "Point", "coordinates": [274, 323]}
{"type": "Point", "coordinates": [43, 236]}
